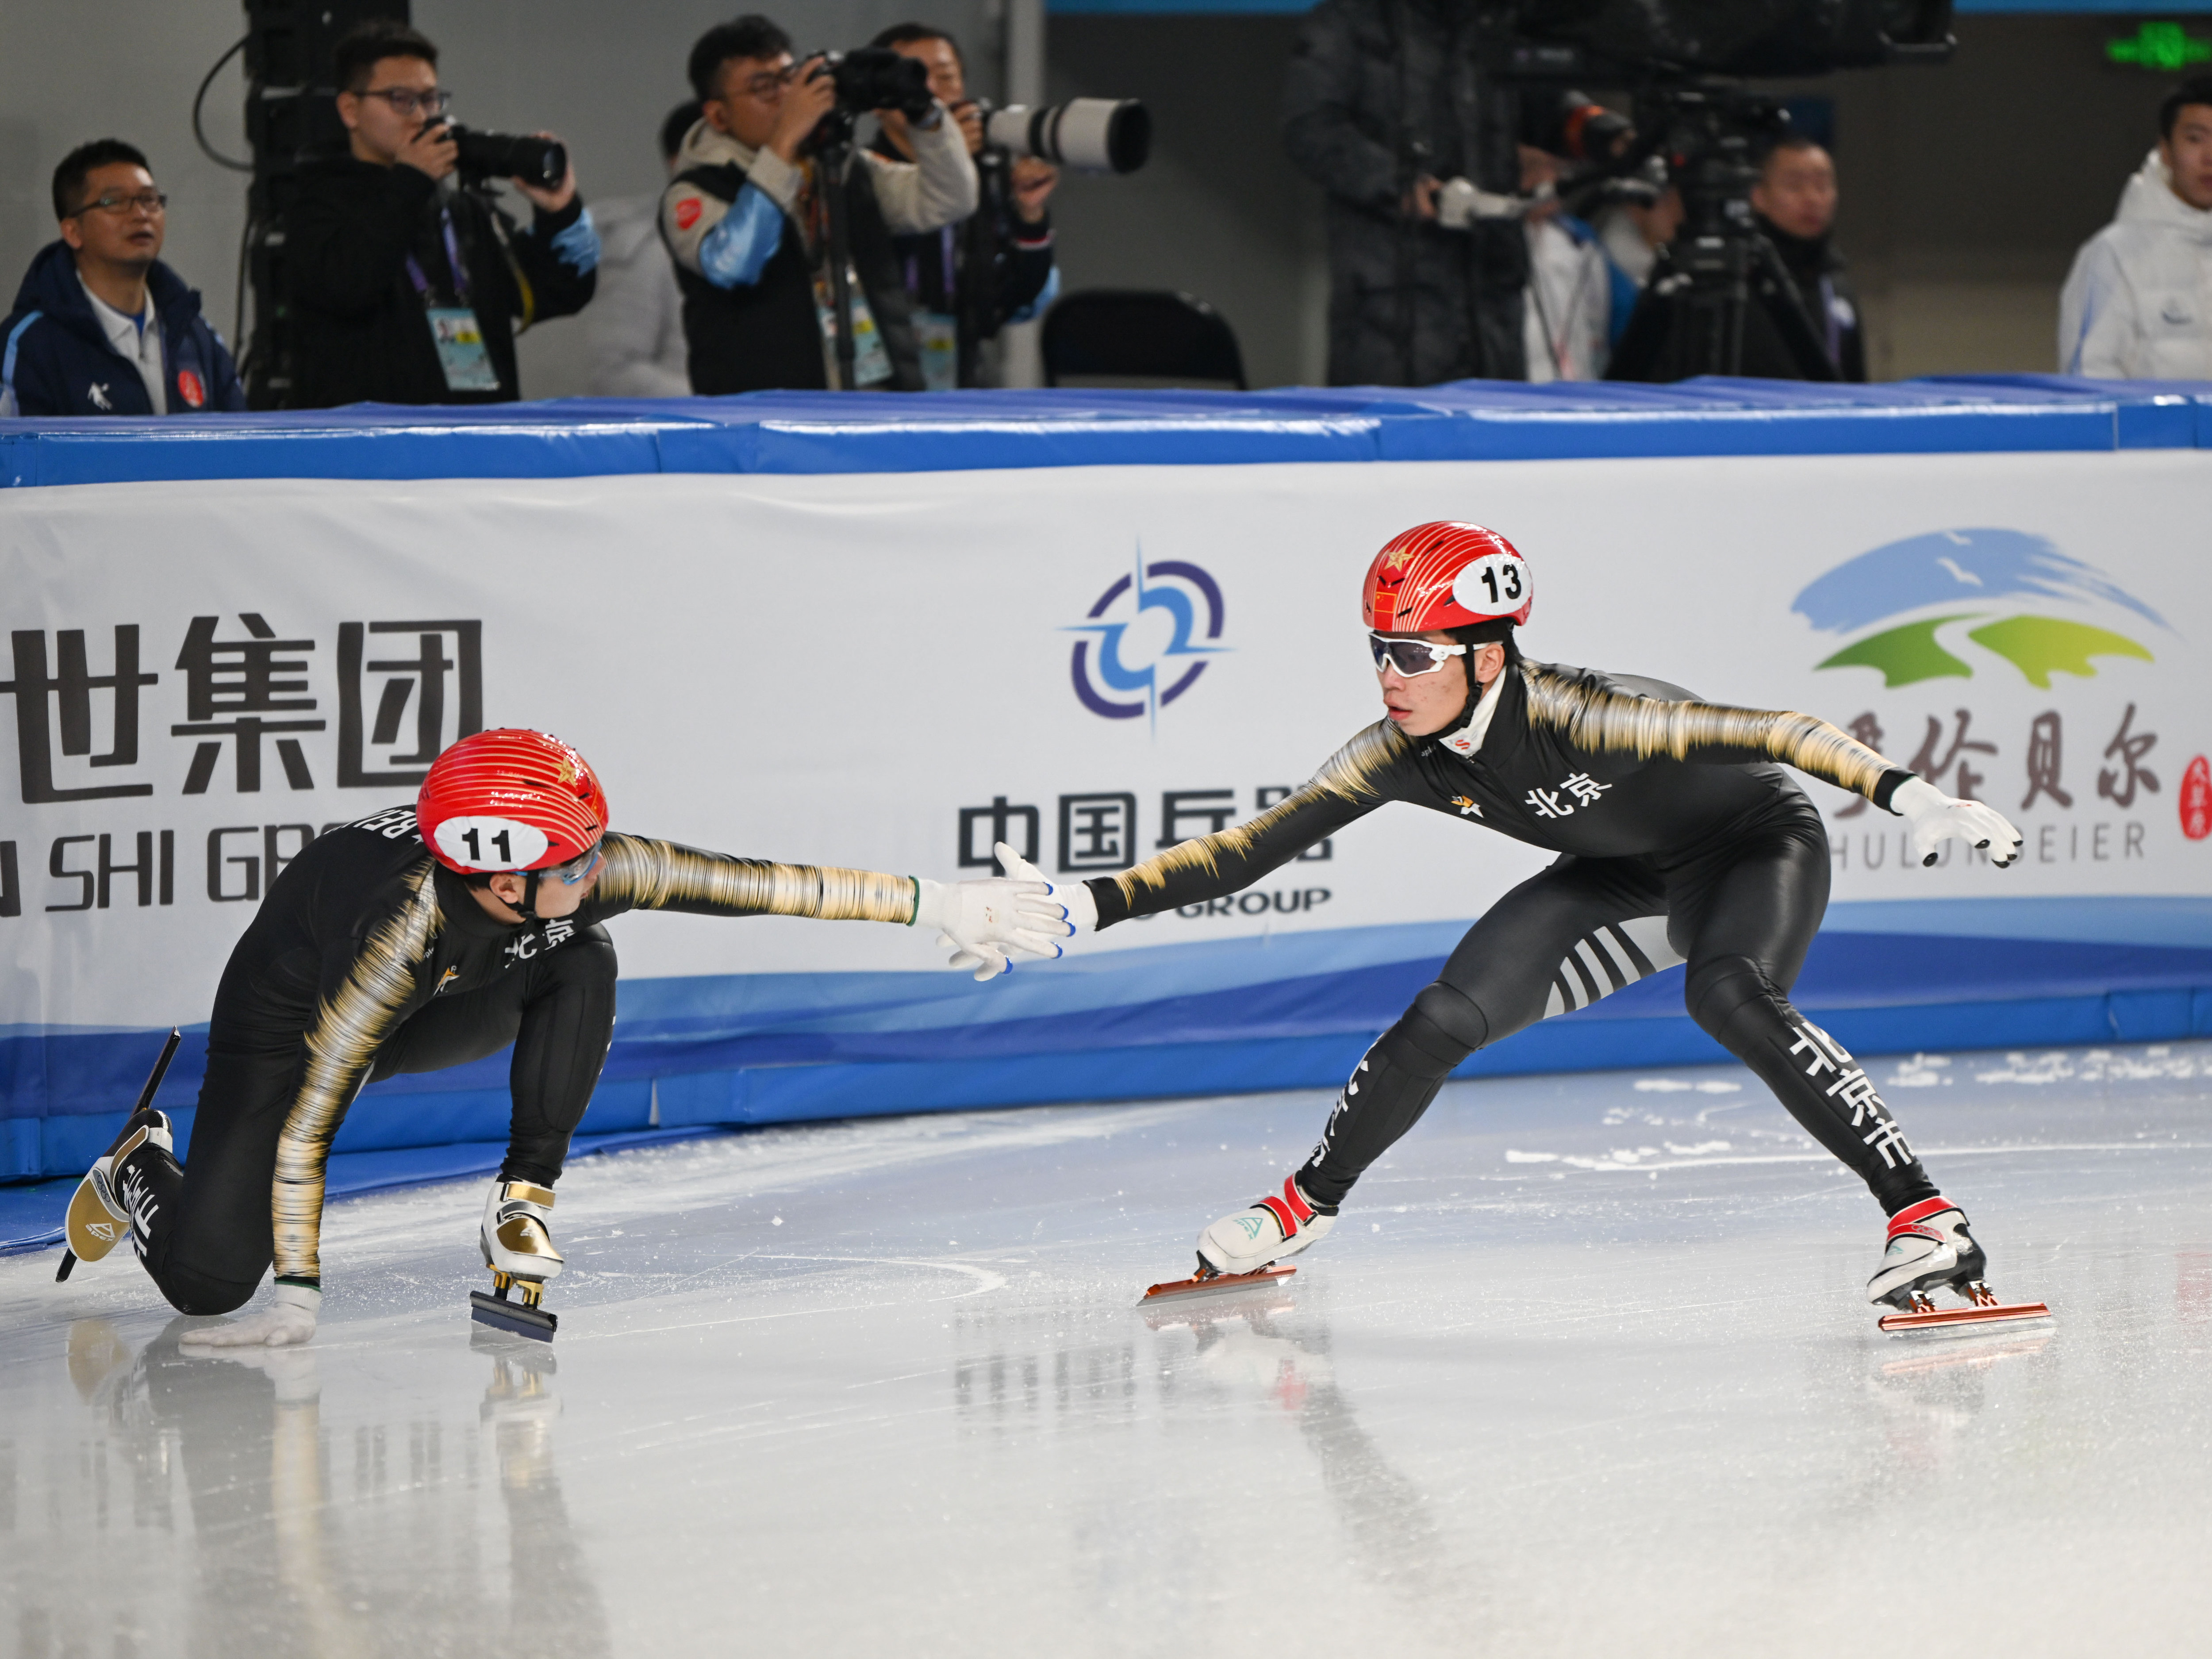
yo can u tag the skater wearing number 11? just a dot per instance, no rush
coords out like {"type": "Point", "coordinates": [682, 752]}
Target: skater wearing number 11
{"type": "Point", "coordinates": [1681, 839]}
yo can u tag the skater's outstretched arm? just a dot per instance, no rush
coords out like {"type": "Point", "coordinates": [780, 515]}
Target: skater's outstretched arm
{"type": "Point", "coordinates": [990, 920]}
{"type": "Point", "coordinates": [1352, 783]}
{"type": "Point", "coordinates": [1598, 719]}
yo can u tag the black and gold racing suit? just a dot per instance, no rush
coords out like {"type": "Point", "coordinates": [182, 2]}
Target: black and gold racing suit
{"type": "Point", "coordinates": [1681, 840]}
{"type": "Point", "coordinates": [369, 959]}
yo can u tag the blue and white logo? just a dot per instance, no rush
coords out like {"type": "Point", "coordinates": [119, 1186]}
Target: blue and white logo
{"type": "Point", "coordinates": [1145, 624]}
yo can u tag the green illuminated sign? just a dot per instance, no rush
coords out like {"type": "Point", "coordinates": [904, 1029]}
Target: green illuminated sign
{"type": "Point", "coordinates": [2162, 46]}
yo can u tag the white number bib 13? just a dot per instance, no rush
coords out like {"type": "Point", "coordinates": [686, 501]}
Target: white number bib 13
{"type": "Point", "coordinates": [488, 843]}
{"type": "Point", "coordinates": [1495, 585]}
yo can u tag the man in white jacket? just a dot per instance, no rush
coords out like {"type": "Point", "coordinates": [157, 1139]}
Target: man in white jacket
{"type": "Point", "coordinates": [2138, 303]}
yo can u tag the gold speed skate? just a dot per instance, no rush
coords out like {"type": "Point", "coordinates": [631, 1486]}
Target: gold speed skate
{"type": "Point", "coordinates": [99, 1218]}
{"type": "Point", "coordinates": [517, 1241]}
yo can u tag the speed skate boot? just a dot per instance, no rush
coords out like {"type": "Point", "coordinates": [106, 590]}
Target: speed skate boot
{"type": "Point", "coordinates": [1243, 1249]}
{"type": "Point", "coordinates": [99, 1213]}
{"type": "Point", "coordinates": [1930, 1245]}
{"type": "Point", "coordinates": [517, 1241]}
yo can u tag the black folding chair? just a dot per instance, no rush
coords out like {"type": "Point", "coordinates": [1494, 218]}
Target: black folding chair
{"type": "Point", "coordinates": [1139, 337]}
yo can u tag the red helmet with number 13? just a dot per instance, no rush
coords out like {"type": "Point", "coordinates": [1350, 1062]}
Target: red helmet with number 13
{"type": "Point", "coordinates": [510, 799]}
{"type": "Point", "coordinates": [1445, 575]}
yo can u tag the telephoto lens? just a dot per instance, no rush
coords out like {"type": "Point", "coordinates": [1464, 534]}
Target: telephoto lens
{"type": "Point", "coordinates": [541, 162]}
{"type": "Point", "coordinates": [1091, 134]}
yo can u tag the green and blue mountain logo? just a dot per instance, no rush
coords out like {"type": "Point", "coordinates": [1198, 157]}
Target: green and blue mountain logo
{"type": "Point", "coordinates": [1982, 588]}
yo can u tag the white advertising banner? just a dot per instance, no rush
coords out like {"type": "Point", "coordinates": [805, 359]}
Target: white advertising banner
{"type": "Point", "coordinates": [890, 671]}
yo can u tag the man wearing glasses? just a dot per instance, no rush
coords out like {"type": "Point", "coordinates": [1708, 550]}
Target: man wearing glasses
{"type": "Point", "coordinates": [747, 219]}
{"type": "Point", "coordinates": [408, 280]}
{"type": "Point", "coordinates": [101, 327]}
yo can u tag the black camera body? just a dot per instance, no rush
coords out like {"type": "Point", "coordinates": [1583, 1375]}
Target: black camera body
{"type": "Point", "coordinates": [876, 77]}
{"type": "Point", "coordinates": [540, 161]}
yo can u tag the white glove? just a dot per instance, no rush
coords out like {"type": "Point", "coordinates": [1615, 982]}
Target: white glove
{"type": "Point", "coordinates": [1076, 904]}
{"type": "Point", "coordinates": [288, 1321]}
{"type": "Point", "coordinates": [987, 922]}
{"type": "Point", "coordinates": [1933, 816]}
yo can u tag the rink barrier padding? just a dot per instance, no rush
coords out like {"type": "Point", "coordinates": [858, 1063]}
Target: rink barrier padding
{"type": "Point", "coordinates": [692, 1054]}
{"type": "Point", "coordinates": [784, 431]}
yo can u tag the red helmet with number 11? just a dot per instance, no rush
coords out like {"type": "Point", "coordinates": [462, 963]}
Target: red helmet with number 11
{"type": "Point", "coordinates": [510, 799]}
{"type": "Point", "coordinates": [1445, 575]}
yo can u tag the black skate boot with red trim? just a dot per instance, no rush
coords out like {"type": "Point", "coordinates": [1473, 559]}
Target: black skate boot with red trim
{"type": "Point", "coordinates": [1244, 1248]}
{"type": "Point", "coordinates": [1930, 1245]}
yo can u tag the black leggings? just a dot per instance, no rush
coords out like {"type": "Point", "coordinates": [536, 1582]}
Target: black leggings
{"type": "Point", "coordinates": [1741, 914]}
{"type": "Point", "coordinates": [204, 1230]}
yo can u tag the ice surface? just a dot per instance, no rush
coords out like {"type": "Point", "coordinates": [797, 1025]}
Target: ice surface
{"type": "Point", "coordinates": [1583, 1371]}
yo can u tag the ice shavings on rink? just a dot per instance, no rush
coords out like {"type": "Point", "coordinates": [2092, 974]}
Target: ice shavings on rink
{"type": "Point", "coordinates": [852, 1384]}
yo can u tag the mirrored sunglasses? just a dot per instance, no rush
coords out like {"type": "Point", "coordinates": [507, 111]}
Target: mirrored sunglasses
{"type": "Point", "coordinates": [1411, 657]}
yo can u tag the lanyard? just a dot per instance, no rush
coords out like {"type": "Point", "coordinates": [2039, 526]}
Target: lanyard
{"type": "Point", "coordinates": [453, 262]}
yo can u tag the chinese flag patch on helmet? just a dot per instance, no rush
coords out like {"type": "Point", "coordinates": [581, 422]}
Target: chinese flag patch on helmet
{"type": "Point", "coordinates": [1444, 575]}
{"type": "Point", "coordinates": [510, 799]}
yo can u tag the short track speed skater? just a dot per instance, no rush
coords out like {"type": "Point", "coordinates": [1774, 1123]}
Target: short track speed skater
{"type": "Point", "coordinates": [1930, 1246]}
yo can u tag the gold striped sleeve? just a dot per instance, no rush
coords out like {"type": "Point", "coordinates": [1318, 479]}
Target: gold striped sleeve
{"type": "Point", "coordinates": [350, 1025]}
{"type": "Point", "coordinates": [659, 875]}
{"type": "Point", "coordinates": [1598, 720]}
{"type": "Point", "coordinates": [1352, 777]}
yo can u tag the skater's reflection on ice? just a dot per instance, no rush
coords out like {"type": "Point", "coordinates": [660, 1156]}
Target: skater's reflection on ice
{"type": "Point", "coordinates": [331, 1532]}
{"type": "Point", "coordinates": [1930, 1391]}
{"type": "Point", "coordinates": [555, 1608]}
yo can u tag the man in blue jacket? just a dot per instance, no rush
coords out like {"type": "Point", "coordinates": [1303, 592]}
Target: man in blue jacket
{"type": "Point", "coordinates": [100, 326]}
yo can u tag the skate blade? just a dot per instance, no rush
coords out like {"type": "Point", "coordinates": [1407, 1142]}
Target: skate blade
{"type": "Point", "coordinates": [535, 1323]}
{"type": "Point", "coordinates": [1215, 1285]}
{"type": "Point", "coordinates": [1952, 1319]}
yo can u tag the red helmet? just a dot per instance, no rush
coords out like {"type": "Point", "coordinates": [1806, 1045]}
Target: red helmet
{"type": "Point", "coordinates": [1445, 575]}
{"type": "Point", "coordinates": [510, 800]}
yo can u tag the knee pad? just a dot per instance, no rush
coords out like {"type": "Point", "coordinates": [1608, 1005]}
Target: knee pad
{"type": "Point", "coordinates": [1716, 991]}
{"type": "Point", "coordinates": [1442, 1029]}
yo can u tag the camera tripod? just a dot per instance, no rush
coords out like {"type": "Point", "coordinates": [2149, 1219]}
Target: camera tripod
{"type": "Point", "coordinates": [1719, 295]}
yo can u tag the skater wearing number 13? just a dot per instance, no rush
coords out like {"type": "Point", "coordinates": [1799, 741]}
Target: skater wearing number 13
{"type": "Point", "coordinates": [1681, 839]}
{"type": "Point", "coordinates": [426, 937]}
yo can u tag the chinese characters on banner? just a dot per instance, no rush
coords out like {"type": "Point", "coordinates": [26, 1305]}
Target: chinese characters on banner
{"type": "Point", "coordinates": [1098, 834]}
{"type": "Point", "coordinates": [1971, 765]}
{"type": "Point", "coordinates": [89, 727]}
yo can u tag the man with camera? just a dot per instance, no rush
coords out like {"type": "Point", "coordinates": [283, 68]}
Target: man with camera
{"type": "Point", "coordinates": [967, 281]}
{"type": "Point", "coordinates": [406, 277]}
{"type": "Point", "coordinates": [101, 327]}
{"type": "Point", "coordinates": [768, 185]}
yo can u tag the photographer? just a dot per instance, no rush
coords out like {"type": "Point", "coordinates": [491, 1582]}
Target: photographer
{"type": "Point", "coordinates": [407, 278]}
{"type": "Point", "coordinates": [748, 220]}
{"type": "Point", "coordinates": [969, 279]}
{"type": "Point", "coordinates": [101, 327]}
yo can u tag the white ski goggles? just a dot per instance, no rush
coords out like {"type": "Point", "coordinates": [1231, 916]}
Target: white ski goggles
{"type": "Point", "coordinates": [1411, 657]}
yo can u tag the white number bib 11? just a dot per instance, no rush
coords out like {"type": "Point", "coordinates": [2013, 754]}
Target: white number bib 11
{"type": "Point", "coordinates": [1495, 585]}
{"type": "Point", "coordinates": [487, 843]}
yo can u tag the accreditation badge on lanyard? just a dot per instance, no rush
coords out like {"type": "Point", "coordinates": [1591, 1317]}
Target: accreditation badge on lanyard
{"type": "Point", "coordinates": [937, 333]}
{"type": "Point", "coordinates": [872, 358]}
{"type": "Point", "coordinates": [454, 329]}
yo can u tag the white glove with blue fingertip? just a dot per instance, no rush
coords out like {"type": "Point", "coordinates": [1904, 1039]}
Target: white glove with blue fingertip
{"type": "Point", "coordinates": [987, 923]}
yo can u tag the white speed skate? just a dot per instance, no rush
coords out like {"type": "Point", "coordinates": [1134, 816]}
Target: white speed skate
{"type": "Point", "coordinates": [1930, 1245]}
{"type": "Point", "coordinates": [517, 1241]}
{"type": "Point", "coordinates": [1259, 1238]}
{"type": "Point", "coordinates": [1243, 1249]}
